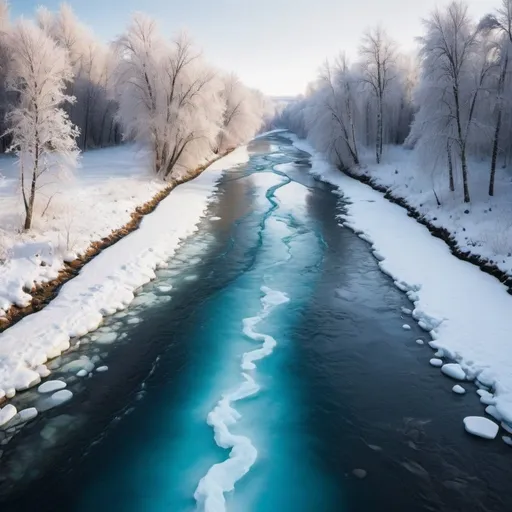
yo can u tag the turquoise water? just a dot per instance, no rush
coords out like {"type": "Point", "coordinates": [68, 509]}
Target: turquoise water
{"type": "Point", "coordinates": [175, 447]}
{"type": "Point", "coordinates": [344, 387]}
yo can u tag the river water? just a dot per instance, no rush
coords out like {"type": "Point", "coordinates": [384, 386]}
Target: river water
{"type": "Point", "coordinates": [276, 363]}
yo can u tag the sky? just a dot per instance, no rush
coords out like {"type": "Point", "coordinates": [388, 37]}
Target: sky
{"type": "Point", "coordinates": [276, 46]}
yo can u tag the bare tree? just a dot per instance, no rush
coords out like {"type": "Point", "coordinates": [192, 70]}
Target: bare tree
{"type": "Point", "coordinates": [379, 54]}
{"type": "Point", "coordinates": [42, 135]}
{"type": "Point", "coordinates": [502, 23]}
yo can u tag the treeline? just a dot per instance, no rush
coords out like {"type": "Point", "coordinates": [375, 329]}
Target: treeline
{"type": "Point", "coordinates": [62, 90]}
{"type": "Point", "coordinates": [452, 102]}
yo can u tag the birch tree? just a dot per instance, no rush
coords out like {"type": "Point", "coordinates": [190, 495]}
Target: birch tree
{"type": "Point", "coordinates": [379, 54]}
{"type": "Point", "coordinates": [500, 22]}
{"type": "Point", "coordinates": [450, 86]}
{"type": "Point", "coordinates": [43, 137]}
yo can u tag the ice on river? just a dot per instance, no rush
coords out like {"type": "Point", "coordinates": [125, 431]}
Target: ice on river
{"type": "Point", "coordinates": [454, 371]}
{"type": "Point", "coordinates": [51, 385]}
{"type": "Point", "coordinates": [481, 427]}
{"type": "Point", "coordinates": [222, 477]}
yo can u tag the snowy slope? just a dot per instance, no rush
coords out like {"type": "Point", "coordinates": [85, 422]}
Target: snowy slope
{"type": "Point", "coordinates": [482, 227]}
{"type": "Point", "coordinates": [108, 282]}
{"type": "Point", "coordinates": [86, 207]}
{"type": "Point", "coordinates": [466, 311]}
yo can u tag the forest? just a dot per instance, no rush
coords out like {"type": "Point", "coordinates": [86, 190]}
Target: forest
{"type": "Point", "coordinates": [64, 91]}
{"type": "Point", "coordinates": [451, 101]}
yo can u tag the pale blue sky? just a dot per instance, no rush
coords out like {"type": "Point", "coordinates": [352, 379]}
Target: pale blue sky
{"type": "Point", "coordinates": [274, 45]}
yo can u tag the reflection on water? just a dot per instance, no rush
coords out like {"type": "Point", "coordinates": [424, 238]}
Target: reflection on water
{"type": "Point", "coordinates": [349, 415]}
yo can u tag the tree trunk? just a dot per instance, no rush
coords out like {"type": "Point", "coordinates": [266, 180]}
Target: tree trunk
{"type": "Point", "coordinates": [495, 153]}
{"type": "Point", "coordinates": [450, 166]}
{"type": "Point", "coordinates": [29, 207]}
{"type": "Point", "coordinates": [464, 164]}
{"type": "Point", "coordinates": [378, 143]}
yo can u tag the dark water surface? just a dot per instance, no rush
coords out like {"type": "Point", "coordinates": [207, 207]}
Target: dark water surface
{"type": "Point", "coordinates": [345, 388]}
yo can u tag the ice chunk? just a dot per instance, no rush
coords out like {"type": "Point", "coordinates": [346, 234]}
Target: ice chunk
{"type": "Point", "coordinates": [406, 311]}
{"type": "Point", "coordinates": [215, 218]}
{"type": "Point", "coordinates": [486, 397]}
{"type": "Point", "coordinates": [106, 339]}
{"type": "Point", "coordinates": [481, 427]}
{"type": "Point", "coordinates": [506, 426]}
{"type": "Point", "coordinates": [102, 369]}
{"type": "Point", "coordinates": [82, 373]}
{"type": "Point", "coordinates": [7, 413]}
{"type": "Point", "coordinates": [78, 364]}
{"type": "Point", "coordinates": [454, 370]}
{"type": "Point", "coordinates": [61, 396]}
{"type": "Point", "coordinates": [43, 371]}
{"type": "Point", "coordinates": [420, 342]}
{"type": "Point", "coordinates": [51, 385]}
{"type": "Point", "coordinates": [165, 288]}
{"type": "Point", "coordinates": [27, 414]}
{"type": "Point", "coordinates": [492, 411]}
{"type": "Point", "coordinates": [436, 362]}
{"type": "Point", "coordinates": [406, 327]}
{"type": "Point", "coordinates": [458, 389]}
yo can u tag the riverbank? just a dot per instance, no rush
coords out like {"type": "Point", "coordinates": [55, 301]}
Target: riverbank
{"type": "Point", "coordinates": [466, 312]}
{"type": "Point", "coordinates": [107, 283]}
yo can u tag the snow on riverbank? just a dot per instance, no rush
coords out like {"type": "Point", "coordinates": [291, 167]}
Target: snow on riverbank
{"type": "Point", "coordinates": [107, 283]}
{"type": "Point", "coordinates": [482, 227]}
{"type": "Point", "coordinates": [466, 311]}
{"type": "Point", "coordinates": [108, 186]}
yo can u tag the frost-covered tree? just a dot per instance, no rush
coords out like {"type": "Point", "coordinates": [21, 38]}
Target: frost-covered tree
{"type": "Point", "coordinates": [500, 22]}
{"type": "Point", "coordinates": [453, 72]}
{"type": "Point", "coordinates": [43, 137]}
{"type": "Point", "coordinates": [169, 98]}
{"type": "Point", "coordinates": [243, 113]}
{"type": "Point", "coordinates": [378, 71]}
{"type": "Point", "coordinates": [92, 65]}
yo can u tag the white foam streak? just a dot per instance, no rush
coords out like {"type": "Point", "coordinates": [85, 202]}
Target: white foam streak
{"type": "Point", "coordinates": [221, 477]}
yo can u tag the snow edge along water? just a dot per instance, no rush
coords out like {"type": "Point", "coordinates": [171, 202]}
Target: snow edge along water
{"type": "Point", "coordinates": [466, 312]}
{"type": "Point", "coordinates": [107, 283]}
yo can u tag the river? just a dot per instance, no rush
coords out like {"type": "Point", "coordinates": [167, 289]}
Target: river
{"type": "Point", "coordinates": [273, 332]}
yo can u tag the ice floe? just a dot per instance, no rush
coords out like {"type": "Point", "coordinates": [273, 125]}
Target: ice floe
{"type": "Point", "coordinates": [454, 371]}
{"type": "Point", "coordinates": [481, 427]}
{"type": "Point", "coordinates": [51, 385]}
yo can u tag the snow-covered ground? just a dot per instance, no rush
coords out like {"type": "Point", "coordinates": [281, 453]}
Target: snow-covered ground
{"type": "Point", "coordinates": [467, 312]}
{"type": "Point", "coordinates": [485, 230]}
{"type": "Point", "coordinates": [108, 282]}
{"type": "Point", "coordinates": [86, 207]}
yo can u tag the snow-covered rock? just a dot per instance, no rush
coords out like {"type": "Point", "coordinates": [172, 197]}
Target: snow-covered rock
{"type": "Point", "coordinates": [458, 389]}
{"type": "Point", "coordinates": [51, 385]}
{"type": "Point", "coordinates": [481, 427]}
{"type": "Point", "coordinates": [61, 396]}
{"type": "Point", "coordinates": [454, 371]}
{"type": "Point", "coordinates": [7, 413]}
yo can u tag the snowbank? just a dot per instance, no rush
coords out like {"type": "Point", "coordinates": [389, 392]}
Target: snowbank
{"type": "Point", "coordinates": [466, 311]}
{"type": "Point", "coordinates": [483, 227]}
{"type": "Point", "coordinates": [108, 282]}
{"type": "Point", "coordinates": [108, 186]}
